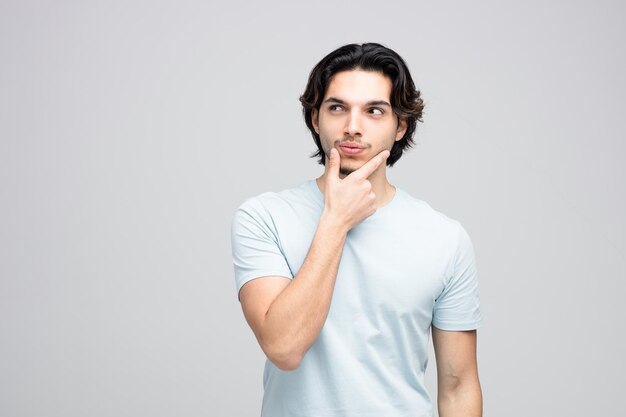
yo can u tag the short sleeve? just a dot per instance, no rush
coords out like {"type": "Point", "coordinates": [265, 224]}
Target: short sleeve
{"type": "Point", "coordinates": [458, 306]}
{"type": "Point", "coordinates": [255, 247]}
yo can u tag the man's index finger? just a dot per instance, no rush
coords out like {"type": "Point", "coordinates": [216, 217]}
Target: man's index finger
{"type": "Point", "coordinates": [371, 165]}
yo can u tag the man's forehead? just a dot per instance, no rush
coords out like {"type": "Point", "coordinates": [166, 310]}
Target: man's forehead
{"type": "Point", "coordinates": [359, 86]}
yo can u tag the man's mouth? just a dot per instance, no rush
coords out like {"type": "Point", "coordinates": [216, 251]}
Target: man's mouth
{"type": "Point", "coordinates": [351, 148]}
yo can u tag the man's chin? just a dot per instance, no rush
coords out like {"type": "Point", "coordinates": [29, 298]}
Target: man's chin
{"type": "Point", "coordinates": [345, 171]}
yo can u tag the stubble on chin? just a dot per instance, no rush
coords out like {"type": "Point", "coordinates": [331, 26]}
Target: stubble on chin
{"type": "Point", "coordinates": [344, 172]}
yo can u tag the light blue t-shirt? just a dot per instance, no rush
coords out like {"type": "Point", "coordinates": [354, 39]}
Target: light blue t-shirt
{"type": "Point", "coordinates": [403, 269]}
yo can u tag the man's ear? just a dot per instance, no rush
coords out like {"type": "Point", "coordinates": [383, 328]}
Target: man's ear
{"type": "Point", "coordinates": [402, 126]}
{"type": "Point", "coordinates": [315, 120]}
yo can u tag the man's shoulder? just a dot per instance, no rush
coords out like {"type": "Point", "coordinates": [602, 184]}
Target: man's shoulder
{"type": "Point", "coordinates": [421, 219]}
{"type": "Point", "coordinates": [303, 193]}
{"type": "Point", "coordinates": [422, 211]}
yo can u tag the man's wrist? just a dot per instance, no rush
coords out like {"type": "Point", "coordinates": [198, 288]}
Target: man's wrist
{"type": "Point", "coordinates": [333, 223]}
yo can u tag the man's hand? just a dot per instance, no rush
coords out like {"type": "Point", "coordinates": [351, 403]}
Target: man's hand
{"type": "Point", "coordinates": [350, 200]}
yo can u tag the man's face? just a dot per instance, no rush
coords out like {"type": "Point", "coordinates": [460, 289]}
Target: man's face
{"type": "Point", "coordinates": [356, 118]}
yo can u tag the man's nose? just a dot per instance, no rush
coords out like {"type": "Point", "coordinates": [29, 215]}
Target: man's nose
{"type": "Point", "coordinates": [354, 124]}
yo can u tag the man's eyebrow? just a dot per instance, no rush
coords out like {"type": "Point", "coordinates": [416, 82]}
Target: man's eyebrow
{"type": "Point", "coordinates": [334, 100]}
{"type": "Point", "coordinates": [369, 103]}
{"type": "Point", "coordinates": [378, 103]}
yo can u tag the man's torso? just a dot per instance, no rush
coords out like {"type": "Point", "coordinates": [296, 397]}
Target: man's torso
{"type": "Point", "coordinates": [372, 352]}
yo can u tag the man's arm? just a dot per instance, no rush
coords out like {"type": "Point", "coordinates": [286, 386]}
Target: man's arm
{"type": "Point", "coordinates": [458, 386]}
{"type": "Point", "coordinates": [285, 315]}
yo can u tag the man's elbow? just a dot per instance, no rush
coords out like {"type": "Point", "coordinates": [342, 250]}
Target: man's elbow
{"type": "Point", "coordinates": [449, 383]}
{"type": "Point", "coordinates": [287, 364]}
{"type": "Point", "coordinates": [456, 394]}
{"type": "Point", "coordinates": [454, 384]}
{"type": "Point", "coordinates": [284, 358]}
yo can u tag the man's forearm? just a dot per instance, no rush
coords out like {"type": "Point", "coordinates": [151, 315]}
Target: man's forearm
{"type": "Point", "coordinates": [297, 315]}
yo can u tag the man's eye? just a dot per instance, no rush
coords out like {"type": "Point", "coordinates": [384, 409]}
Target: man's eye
{"type": "Point", "coordinates": [376, 111]}
{"type": "Point", "coordinates": [334, 107]}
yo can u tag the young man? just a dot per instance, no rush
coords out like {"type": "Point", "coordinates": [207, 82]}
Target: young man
{"type": "Point", "coordinates": [343, 278]}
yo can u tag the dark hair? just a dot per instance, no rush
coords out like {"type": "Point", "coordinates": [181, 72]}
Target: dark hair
{"type": "Point", "coordinates": [405, 98]}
